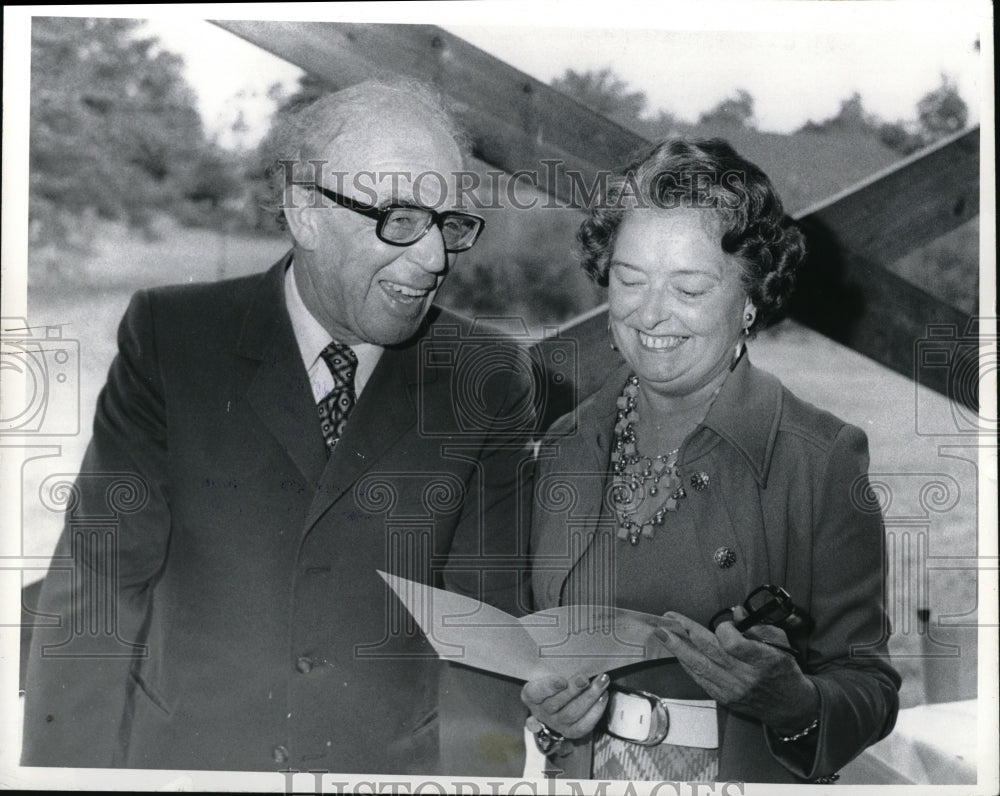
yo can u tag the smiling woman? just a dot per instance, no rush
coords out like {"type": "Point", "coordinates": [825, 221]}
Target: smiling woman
{"type": "Point", "coordinates": [695, 250]}
{"type": "Point", "coordinates": [677, 306]}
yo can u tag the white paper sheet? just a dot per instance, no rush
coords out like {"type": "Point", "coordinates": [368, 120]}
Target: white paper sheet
{"type": "Point", "coordinates": [566, 640]}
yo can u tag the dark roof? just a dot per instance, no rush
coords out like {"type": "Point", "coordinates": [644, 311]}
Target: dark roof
{"type": "Point", "coordinates": [805, 167]}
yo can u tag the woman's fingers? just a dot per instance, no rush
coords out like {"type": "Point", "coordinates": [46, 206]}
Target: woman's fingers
{"type": "Point", "coordinates": [538, 690]}
{"type": "Point", "coordinates": [569, 706]}
{"type": "Point", "coordinates": [695, 638]}
{"type": "Point", "coordinates": [589, 720]}
{"type": "Point", "coordinates": [755, 673]}
{"type": "Point", "coordinates": [580, 687]}
{"type": "Point", "coordinates": [756, 643]}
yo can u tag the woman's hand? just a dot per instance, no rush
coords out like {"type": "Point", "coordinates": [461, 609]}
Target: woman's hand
{"type": "Point", "coordinates": [570, 707]}
{"type": "Point", "coordinates": [742, 673]}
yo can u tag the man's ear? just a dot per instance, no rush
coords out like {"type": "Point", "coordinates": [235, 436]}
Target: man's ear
{"type": "Point", "coordinates": [301, 216]}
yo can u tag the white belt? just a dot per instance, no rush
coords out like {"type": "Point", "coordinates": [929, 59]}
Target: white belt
{"type": "Point", "coordinates": [649, 720]}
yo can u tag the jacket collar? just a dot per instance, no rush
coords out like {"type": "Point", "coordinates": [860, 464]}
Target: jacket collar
{"type": "Point", "coordinates": [266, 315]}
{"type": "Point", "coordinates": [745, 414]}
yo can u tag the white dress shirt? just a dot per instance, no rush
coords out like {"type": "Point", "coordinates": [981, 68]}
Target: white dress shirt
{"type": "Point", "coordinates": [313, 338]}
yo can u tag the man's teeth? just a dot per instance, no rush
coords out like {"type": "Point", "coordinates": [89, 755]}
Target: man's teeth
{"type": "Point", "coordinates": [405, 290]}
{"type": "Point", "coordinates": [666, 341]}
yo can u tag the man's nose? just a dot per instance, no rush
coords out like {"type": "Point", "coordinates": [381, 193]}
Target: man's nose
{"type": "Point", "coordinates": [429, 253]}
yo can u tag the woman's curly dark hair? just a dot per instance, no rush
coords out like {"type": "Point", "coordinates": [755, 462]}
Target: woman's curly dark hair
{"type": "Point", "coordinates": [704, 173]}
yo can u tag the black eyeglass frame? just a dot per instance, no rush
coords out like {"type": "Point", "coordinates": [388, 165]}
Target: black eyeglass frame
{"type": "Point", "coordinates": [779, 610]}
{"type": "Point", "coordinates": [381, 215]}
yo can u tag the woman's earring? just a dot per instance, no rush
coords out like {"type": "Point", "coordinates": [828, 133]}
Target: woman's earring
{"type": "Point", "coordinates": [741, 347]}
{"type": "Point", "coordinates": [611, 337]}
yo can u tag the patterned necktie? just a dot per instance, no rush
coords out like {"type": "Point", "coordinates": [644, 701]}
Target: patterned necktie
{"type": "Point", "coordinates": [334, 409]}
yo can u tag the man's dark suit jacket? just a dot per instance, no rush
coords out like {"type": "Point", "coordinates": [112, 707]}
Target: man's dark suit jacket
{"type": "Point", "coordinates": [246, 560]}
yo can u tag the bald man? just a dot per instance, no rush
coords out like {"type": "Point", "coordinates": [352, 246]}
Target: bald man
{"type": "Point", "coordinates": [282, 438]}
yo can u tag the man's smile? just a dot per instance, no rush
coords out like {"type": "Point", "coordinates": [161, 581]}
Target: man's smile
{"type": "Point", "coordinates": [403, 293]}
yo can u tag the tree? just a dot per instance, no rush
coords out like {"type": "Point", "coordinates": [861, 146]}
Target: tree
{"type": "Point", "coordinates": [735, 111]}
{"type": "Point", "coordinates": [852, 116]}
{"type": "Point", "coordinates": [261, 174]}
{"type": "Point", "coordinates": [114, 126]}
{"type": "Point", "coordinates": [900, 136]}
{"type": "Point", "coordinates": [604, 92]}
{"type": "Point", "coordinates": [942, 112]}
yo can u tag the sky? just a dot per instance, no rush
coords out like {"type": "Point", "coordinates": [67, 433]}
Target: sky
{"type": "Point", "coordinates": [797, 59]}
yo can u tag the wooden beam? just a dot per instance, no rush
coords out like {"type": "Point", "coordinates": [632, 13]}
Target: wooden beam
{"type": "Point", "coordinates": [856, 302]}
{"type": "Point", "coordinates": [906, 205]}
{"type": "Point", "coordinates": [516, 123]}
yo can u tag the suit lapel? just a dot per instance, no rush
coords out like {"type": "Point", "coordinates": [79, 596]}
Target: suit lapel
{"type": "Point", "coordinates": [384, 412]}
{"type": "Point", "coordinates": [279, 392]}
{"type": "Point", "coordinates": [597, 438]}
{"type": "Point", "coordinates": [587, 452]}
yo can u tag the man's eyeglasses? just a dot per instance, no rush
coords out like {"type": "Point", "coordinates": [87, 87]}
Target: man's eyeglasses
{"type": "Point", "coordinates": [404, 225]}
{"type": "Point", "coordinates": [767, 605]}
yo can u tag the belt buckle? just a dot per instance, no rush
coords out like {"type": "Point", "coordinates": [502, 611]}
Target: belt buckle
{"type": "Point", "coordinates": [631, 711]}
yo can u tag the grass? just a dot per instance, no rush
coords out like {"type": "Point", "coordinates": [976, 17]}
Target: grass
{"type": "Point", "coordinates": [886, 405]}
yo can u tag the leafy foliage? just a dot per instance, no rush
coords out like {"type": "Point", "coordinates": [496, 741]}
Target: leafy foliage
{"type": "Point", "coordinates": [736, 111]}
{"type": "Point", "coordinates": [113, 124]}
{"type": "Point", "coordinates": [263, 190]}
{"type": "Point", "coordinates": [851, 116]}
{"type": "Point", "coordinates": [604, 92]}
{"type": "Point", "coordinates": [525, 265]}
{"type": "Point", "coordinates": [940, 113]}
{"type": "Point", "coordinates": [115, 134]}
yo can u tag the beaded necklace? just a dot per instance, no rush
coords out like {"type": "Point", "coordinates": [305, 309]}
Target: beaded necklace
{"type": "Point", "coordinates": [636, 476]}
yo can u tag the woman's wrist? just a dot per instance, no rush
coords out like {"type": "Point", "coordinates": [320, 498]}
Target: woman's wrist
{"type": "Point", "coordinates": [547, 740]}
{"type": "Point", "coordinates": [805, 732]}
{"type": "Point", "coordinates": [804, 720]}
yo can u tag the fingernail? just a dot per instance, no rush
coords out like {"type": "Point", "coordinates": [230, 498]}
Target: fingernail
{"type": "Point", "coordinates": [603, 680]}
{"type": "Point", "coordinates": [580, 681]}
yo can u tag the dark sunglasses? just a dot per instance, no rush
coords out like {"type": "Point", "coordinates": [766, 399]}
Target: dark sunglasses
{"type": "Point", "coordinates": [404, 225]}
{"type": "Point", "coordinates": [767, 605]}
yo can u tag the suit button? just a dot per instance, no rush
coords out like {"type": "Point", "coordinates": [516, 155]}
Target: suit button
{"type": "Point", "coordinates": [279, 754]}
{"type": "Point", "coordinates": [303, 665]}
